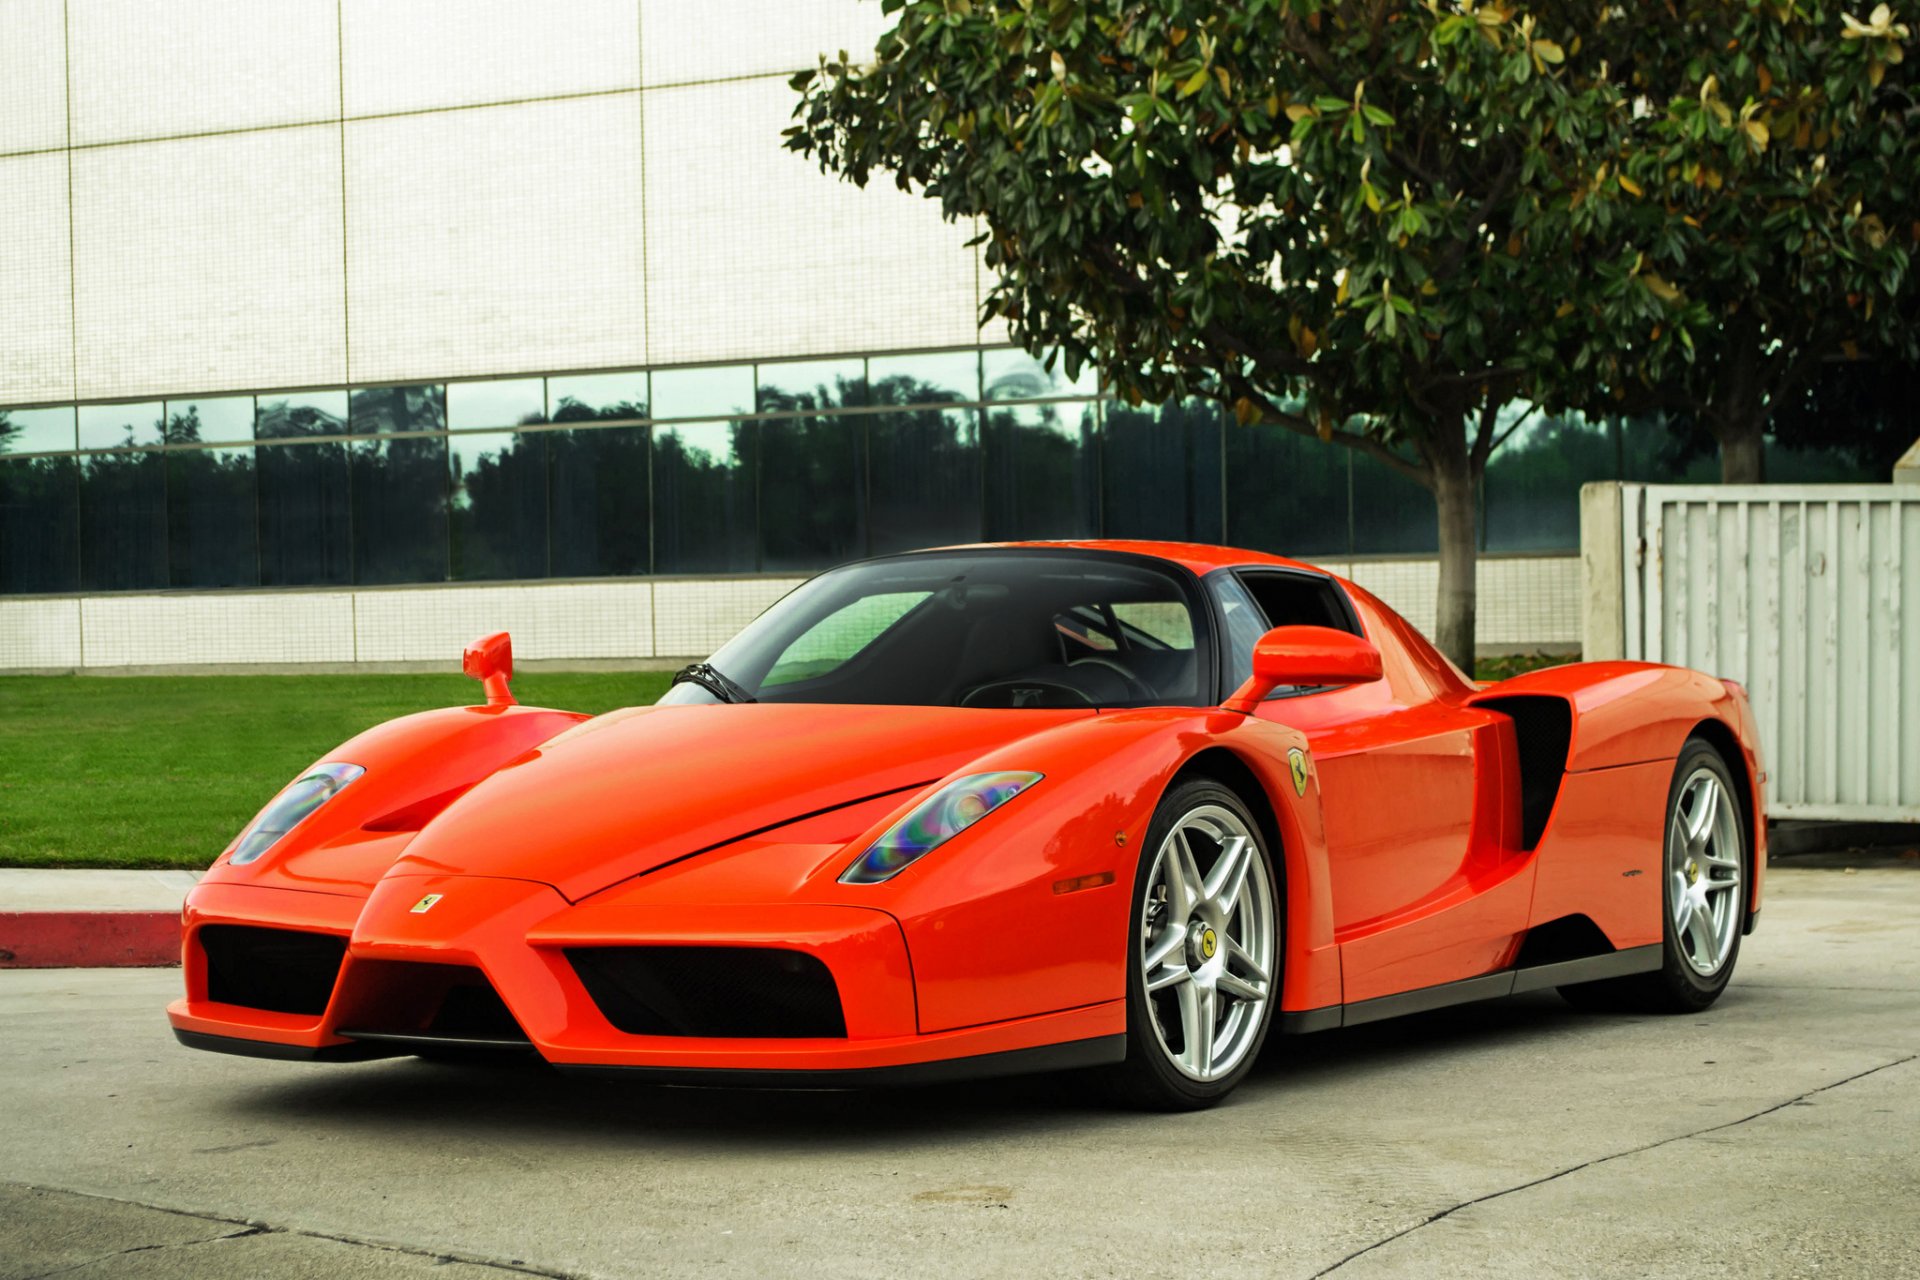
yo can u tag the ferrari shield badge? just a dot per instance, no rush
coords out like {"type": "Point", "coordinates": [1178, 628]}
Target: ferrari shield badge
{"type": "Point", "coordinates": [1296, 760]}
{"type": "Point", "coordinates": [426, 903]}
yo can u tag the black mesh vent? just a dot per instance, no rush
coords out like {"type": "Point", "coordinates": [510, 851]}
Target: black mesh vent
{"type": "Point", "coordinates": [756, 992]}
{"type": "Point", "coordinates": [280, 970]}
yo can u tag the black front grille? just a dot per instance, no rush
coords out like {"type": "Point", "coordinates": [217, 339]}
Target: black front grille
{"type": "Point", "coordinates": [280, 970]}
{"type": "Point", "coordinates": [752, 992]}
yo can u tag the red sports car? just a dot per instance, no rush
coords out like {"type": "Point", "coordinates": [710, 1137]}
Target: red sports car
{"type": "Point", "coordinates": [1126, 806]}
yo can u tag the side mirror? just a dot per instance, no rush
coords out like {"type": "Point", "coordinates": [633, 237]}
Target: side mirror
{"type": "Point", "coordinates": [1305, 656]}
{"type": "Point", "coordinates": [490, 661]}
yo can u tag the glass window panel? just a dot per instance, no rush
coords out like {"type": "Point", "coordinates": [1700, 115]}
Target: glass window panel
{"type": "Point", "coordinates": [811, 479]}
{"type": "Point", "coordinates": [923, 478]}
{"type": "Point", "coordinates": [399, 509]}
{"type": "Point", "coordinates": [118, 426]}
{"type": "Point", "coordinates": [388, 410]}
{"type": "Point", "coordinates": [308, 413]}
{"type": "Point", "coordinates": [1531, 496]}
{"type": "Point", "coordinates": [812, 384]}
{"type": "Point", "coordinates": [1017, 375]}
{"type": "Point", "coordinates": [703, 393]}
{"type": "Point", "coordinates": [1039, 463]}
{"type": "Point", "coordinates": [39, 524]}
{"type": "Point", "coordinates": [1287, 493]}
{"type": "Point", "coordinates": [214, 420]}
{"type": "Point", "coordinates": [591, 397]}
{"type": "Point", "coordinates": [938, 378]}
{"type": "Point", "coordinates": [600, 522]}
{"type": "Point", "coordinates": [213, 529]}
{"type": "Point", "coordinates": [507, 402]}
{"type": "Point", "coordinates": [305, 515]}
{"type": "Point", "coordinates": [499, 526]}
{"type": "Point", "coordinates": [36, 430]}
{"type": "Point", "coordinates": [703, 515]}
{"type": "Point", "coordinates": [123, 521]}
{"type": "Point", "coordinates": [1392, 514]}
{"type": "Point", "coordinates": [1161, 471]}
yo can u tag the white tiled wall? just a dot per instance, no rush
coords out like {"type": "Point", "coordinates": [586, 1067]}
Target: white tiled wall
{"type": "Point", "coordinates": [33, 85]}
{"type": "Point", "coordinates": [683, 42]}
{"type": "Point", "coordinates": [1523, 603]}
{"type": "Point", "coordinates": [36, 317]}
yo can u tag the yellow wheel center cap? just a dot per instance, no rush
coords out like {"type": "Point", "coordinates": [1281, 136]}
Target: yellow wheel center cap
{"type": "Point", "coordinates": [1693, 872]}
{"type": "Point", "coordinates": [1209, 943]}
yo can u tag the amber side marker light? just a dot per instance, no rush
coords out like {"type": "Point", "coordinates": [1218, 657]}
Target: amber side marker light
{"type": "Point", "coordinates": [1078, 883]}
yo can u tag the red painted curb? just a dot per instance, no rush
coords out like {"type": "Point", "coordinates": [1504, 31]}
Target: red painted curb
{"type": "Point", "coordinates": [89, 939]}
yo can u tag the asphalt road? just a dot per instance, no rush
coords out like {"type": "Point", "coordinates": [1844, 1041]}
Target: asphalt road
{"type": "Point", "coordinates": [1775, 1135]}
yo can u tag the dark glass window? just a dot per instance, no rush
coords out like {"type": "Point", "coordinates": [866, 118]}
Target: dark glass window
{"type": "Point", "coordinates": [399, 509]}
{"type": "Point", "coordinates": [506, 402]}
{"type": "Point", "coordinates": [1161, 471]}
{"type": "Point", "coordinates": [499, 527]}
{"type": "Point", "coordinates": [39, 524]}
{"type": "Point", "coordinates": [1287, 493]}
{"type": "Point", "coordinates": [597, 397]}
{"type": "Point", "coordinates": [123, 521]}
{"type": "Point", "coordinates": [812, 384]}
{"type": "Point", "coordinates": [715, 392]}
{"type": "Point", "coordinates": [703, 493]}
{"type": "Point", "coordinates": [1015, 375]}
{"type": "Point", "coordinates": [306, 537]}
{"type": "Point", "coordinates": [1028, 629]}
{"type": "Point", "coordinates": [811, 484]}
{"type": "Point", "coordinates": [36, 430]}
{"type": "Point", "coordinates": [940, 378]}
{"type": "Point", "coordinates": [1392, 514]}
{"type": "Point", "coordinates": [1040, 466]}
{"type": "Point", "coordinates": [600, 517]}
{"type": "Point", "coordinates": [210, 420]}
{"type": "Point", "coordinates": [311, 413]}
{"type": "Point", "coordinates": [923, 477]}
{"type": "Point", "coordinates": [121, 426]}
{"type": "Point", "coordinates": [212, 518]}
{"type": "Point", "coordinates": [389, 410]}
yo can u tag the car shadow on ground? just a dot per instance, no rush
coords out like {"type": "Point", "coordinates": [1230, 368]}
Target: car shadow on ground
{"type": "Point", "coordinates": [532, 1100]}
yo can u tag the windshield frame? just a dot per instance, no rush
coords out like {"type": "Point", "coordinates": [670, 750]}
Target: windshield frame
{"type": "Point", "coordinates": [1194, 595]}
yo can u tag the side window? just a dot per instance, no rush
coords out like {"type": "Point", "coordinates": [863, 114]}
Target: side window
{"type": "Point", "coordinates": [1294, 600]}
{"type": "Point", "coordinates": [1245, 626]}
{"type": "Point", "coordinates": [1167, 625]}
{"type": "Point", "coordinates": [840, 635]}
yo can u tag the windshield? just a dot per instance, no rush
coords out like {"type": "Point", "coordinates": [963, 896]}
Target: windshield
{"type": "Point", "coordinates": [1001, 628]}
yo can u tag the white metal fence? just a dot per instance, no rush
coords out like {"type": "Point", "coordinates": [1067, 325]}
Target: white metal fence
{"type": "Point", "coordinates": [1808, 595]}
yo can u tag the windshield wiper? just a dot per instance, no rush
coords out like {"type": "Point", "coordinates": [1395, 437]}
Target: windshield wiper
{"type": "Point", "coordinates": [708, 677]}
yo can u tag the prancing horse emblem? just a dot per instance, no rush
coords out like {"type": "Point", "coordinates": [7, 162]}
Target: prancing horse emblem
{"type": "Point", "coordinates": [426, 903]}
{"type": "Point", "coordinates": [1297, 760]}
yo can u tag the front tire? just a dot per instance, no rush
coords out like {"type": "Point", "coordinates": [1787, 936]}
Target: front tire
{"type": "Point", "coordinates": [1704, 867]}
{"type": "Point", "coordinates": [1203, 952]}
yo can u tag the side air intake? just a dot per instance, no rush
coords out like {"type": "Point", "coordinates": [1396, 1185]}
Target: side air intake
{"type": "Point", "coordinates": [279, 970]}
{"type": "Point", "coordinates": [1543, 731]}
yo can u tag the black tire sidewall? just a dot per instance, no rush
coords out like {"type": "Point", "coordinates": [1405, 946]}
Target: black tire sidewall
{"type": "Point", "coordinates": [1146, 1060]}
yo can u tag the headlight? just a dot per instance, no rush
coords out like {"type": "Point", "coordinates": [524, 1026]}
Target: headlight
{"type": "Point", "coordinates": [933, 822]}
{"type": "Point", "coordinates": [311, 790]}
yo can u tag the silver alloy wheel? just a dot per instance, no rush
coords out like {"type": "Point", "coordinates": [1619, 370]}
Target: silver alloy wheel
{"type": "Point", "coordinates": [1703, 872]}
{"type": "Point", "coordinates": [1207, 942]}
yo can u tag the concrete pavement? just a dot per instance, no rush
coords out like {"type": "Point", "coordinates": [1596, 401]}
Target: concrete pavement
{"type": "Point", "coordinates": [1773, 1136]}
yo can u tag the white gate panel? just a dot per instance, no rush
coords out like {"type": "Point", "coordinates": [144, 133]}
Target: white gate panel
{"type": "Point", "coordinates": [1809, 595]}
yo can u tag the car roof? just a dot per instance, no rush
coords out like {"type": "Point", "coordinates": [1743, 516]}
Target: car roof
{"type": "Point", "coordinates": [1200, 557]}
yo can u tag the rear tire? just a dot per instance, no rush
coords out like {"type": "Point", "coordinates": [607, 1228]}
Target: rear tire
{"type": "Point", "coordinates": [1704, 866]}
{"type": "Point", "coordinates": [1203, 952]}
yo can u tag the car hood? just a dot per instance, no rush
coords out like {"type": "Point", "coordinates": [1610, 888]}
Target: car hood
{"type": "Point", "coordinates": [620, 795]}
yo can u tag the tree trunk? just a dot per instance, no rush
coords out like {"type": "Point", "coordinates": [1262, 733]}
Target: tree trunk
{"type": "Point", "coordinates": [1743, 454]}
{"type": "Point", "coordinates": [1459, 548]}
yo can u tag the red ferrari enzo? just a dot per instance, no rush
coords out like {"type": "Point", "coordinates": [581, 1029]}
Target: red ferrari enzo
{"type": "Point", "coordinates": [992, 809]}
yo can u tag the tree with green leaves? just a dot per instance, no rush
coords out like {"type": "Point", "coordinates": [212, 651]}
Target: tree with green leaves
{"type": "Point", "coordinates": [1375, 223]}
{"type": "Point", "coordinates": [1773, 160]}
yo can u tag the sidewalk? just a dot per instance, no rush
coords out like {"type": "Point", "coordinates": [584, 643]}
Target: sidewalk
{"type": "Point", "coordinates": [90, 919]}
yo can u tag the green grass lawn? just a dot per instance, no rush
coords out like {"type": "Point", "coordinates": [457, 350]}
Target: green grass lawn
{"type": "Point", "coordinates": [159, 771]}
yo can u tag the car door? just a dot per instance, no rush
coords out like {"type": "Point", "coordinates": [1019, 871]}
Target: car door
{"type": "Point", "coordinates": [1413, 794]}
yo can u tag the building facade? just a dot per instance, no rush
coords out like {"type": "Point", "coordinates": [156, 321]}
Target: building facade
{"type": "Point", "coordinates": [320, 306]}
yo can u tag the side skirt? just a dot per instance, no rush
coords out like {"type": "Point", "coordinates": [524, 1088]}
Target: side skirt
{"type": "Point", "coordinates": [1613, 964]}
{"type": "Point", "coordinates": [1067, 1056]}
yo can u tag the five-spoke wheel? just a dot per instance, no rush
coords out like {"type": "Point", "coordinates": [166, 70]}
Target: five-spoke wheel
{"type": "Point", "coordinates": [1205, 958]}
